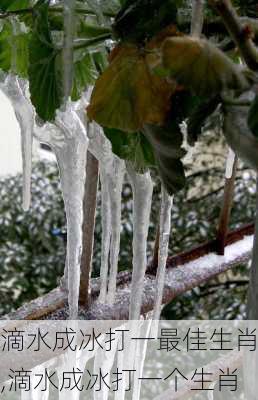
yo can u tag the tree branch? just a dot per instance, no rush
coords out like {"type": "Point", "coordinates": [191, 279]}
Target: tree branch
{"type": "Point", "coordinates": [241, 34]}
{"type": "Point", "coordinates": [197, 18]}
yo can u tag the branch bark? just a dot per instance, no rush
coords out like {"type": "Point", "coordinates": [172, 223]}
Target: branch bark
{"type": "Point", "coordinates": [89, 211]}
{"type": "Point", "coordinates": [241, 34]}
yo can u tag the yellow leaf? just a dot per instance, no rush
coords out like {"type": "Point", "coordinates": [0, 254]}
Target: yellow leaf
{"type": "Point", "coordinates": [127, 95]}
{"type": "Point", "coordinates": [201, 66]}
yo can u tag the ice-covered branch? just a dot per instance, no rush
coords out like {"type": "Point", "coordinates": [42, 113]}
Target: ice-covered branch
{"type": "Point", "coordinates": [180, 276]}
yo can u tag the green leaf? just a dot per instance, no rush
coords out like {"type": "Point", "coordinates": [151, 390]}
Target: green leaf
{"type": "Point", "coordinates": [85, 74]}
{"type": "Point", "coordinates": [133, 147]}
{"type": "Point", "coordinates": [44, 75]}
{"type": "Point", "coordinates": [253, 117]}
{"type": "Point", "coordinates": [166, 143]}
{"type": "Point", "coordinates": [200, 66]}
{"type": "Point", "coordinates": [14, 5]}
{"type": "Point", "coordinates": [13, 50]}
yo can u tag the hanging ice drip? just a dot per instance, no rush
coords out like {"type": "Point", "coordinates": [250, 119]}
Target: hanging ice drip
{"type": "Point", "coordinates": [68, 140]}
{"type": "Point", "coordinates": [15, 89]}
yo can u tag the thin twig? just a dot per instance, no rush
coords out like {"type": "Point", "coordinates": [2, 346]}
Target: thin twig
{"type": "Point", "coordinates": [240, 33]}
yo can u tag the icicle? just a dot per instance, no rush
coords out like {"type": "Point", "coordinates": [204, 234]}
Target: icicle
{"type": "Point", "coordinates": [142, 196]}
{"type": "Point", "coordinates": [25, 115]}
{"type": "Point", "coordinates": [165, 226]}
{"type": "Point", "coordinates": [104, 361]}
{"type": "Point", "coordinates": [68, 139]}
{"type": "Point", "coordinates": [112, 171]}
{"type": "Point", "coordinates": [230, 163]}
{"type": "Point", "coordinates": [69, 24]}
{"type": "Point", "coordinates": [106, 236]}
{"type": "Point", "coordinates": [115, 193]}
{"type": "Point", "coordinates": [140, 356]}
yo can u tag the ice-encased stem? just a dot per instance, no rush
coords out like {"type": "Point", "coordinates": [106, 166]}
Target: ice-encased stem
{"type": "Point", "coordinates": [165, 227]}
{"type": "Point", "coordinates": [115, 193]}
{"type": "Point", "coordinates": [142, 187]}
{"type": "Point", "coordinates": [69, 28]}
{"type": "Point", "coordinates": [25, 115]}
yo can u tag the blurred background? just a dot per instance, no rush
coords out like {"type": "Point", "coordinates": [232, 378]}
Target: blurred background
{"type": "Point", "coordinates": [32, 244]}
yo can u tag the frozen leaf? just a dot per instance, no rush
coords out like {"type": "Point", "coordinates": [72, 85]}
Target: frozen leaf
{"type": "Point", "coordinates": [166, 143]}
{"type": "Point", "coordinates": [201, 66]}
{"type": "Point", "coordinates": [127, 95]}
{"type": "Point", "coordinates": [10, 43]}
{"type": "Point", "coordinates": [7, 5]}
{"type": "Point", "coordinates": [134, 148]}
{"type": "Point", "coordinates": [45, 82]}
{"type": "Point", "coordinates": [85, 74]}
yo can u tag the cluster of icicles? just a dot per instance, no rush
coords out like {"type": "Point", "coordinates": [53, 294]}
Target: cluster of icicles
{"type": "Point", "coordinates": [70, 136]}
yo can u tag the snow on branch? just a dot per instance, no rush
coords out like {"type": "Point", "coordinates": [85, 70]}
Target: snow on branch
{"type": "Point", "coordinates": [177, 281]}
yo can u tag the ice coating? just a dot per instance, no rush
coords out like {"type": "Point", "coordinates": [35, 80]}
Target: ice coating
{"type": "Point", "coordinates": [142, 187]}
{"type": "Point", "coordinates": [68, 139]}
{"type": "Point", "coordinates": [165, 226]}
{"type": "Point", "coordinates": [15, 90]}
{"type": "Point", "coordinates": [230, 163]}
